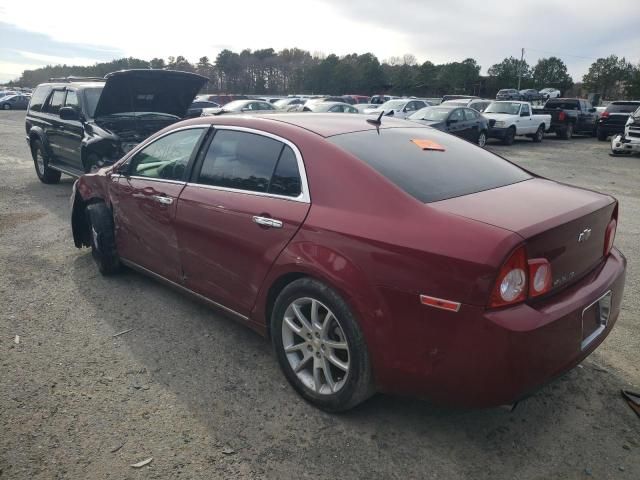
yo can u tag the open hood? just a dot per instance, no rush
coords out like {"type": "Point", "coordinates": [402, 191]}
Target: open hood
{"type": "Point", "coordinates": [159, 91]}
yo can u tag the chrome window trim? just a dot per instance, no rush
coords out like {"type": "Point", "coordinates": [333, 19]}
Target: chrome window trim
{"type": "Point", "coordinates": [150, 179]}
{"type": "Point", "coordinates": [304, 196]}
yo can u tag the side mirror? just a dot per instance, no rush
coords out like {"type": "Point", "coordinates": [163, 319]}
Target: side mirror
{"type": "Point", "coordinates": [68, 113]}
{"type": "Point", "coordinates": [405, 110]}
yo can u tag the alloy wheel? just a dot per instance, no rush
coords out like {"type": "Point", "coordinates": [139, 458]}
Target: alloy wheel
{"type": "Point", "coordinates": [482, 139]}
{"type": "Point", "coordinates": [315, 346]}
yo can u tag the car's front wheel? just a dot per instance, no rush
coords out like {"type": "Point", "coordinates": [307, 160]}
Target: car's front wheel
{"type": "Point", "coordinates": [482, 138]}
{"type": "Point", "coordinates": [320, 346]}
{"type": "Point", "coordinates": [102, 238]}
{"type": "Point", "coordinates": [6, 106]}
{"type": "Point", "coordinates": [41, 162]}
{"type": "Point", "coordinates": [509, 136]}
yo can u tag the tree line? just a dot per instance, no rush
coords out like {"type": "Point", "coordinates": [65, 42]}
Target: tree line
{"type": "Point", "coordinates": [292, 71]}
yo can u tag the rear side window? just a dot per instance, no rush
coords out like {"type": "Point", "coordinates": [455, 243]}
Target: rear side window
{"type": "Point", "coordinates": [622, 107]}
{"type": "Point", "coordinates": [39, 96]}
{"type": "Point", "coordinates": [240, 160]}
{"type": "Point", "coordinates": [430, 176]}
{"type": "Point", "coordinates": [286, 178]}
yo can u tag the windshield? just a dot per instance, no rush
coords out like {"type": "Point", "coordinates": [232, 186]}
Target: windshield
{"type": "Point", "coordinates": [393, 105]}
{"type": "Point", "coordinates": [434, 114]}
{"type": "Point", "coordinates": [509, 108]}
{"type": "Point", "coordinates": [91, 97]}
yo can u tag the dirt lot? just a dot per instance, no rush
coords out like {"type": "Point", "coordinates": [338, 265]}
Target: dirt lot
{"type": "Point", "coordinates": [203, 395]}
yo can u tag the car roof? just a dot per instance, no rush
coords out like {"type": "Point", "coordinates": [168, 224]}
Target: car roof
{"type": "Point", "coordinates": [73, 84]}
{"type": "Point", "coordinates": [323, 124]}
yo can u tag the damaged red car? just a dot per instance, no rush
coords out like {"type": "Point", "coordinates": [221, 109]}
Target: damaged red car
{"type": "Point", "coordinates": [385, 257]}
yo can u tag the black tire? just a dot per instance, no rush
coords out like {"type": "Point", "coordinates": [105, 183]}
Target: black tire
{"type": "Point", "coordinates": [509, 136]}
{"type": "Point", "coordinates": [102, 238]}
{"type": "Point", "coordinates": [481, 141]}
{"type": "Point", "coordinates": [602, 136]}
{"type": "Point", "coordinates": [539, 135]}
{"type": "Point", "coordinates": [6, 106]}
{"type": "Point", "coordinates": [358, 385]}
{"type": "Point", "coordinates": [41, 163]}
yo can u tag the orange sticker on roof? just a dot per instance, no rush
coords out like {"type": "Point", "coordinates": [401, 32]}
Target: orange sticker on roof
{"type": "Point", "coordinates": [428, 144]}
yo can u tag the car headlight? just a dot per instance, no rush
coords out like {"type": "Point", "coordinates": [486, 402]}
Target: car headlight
{"type": "Point", "coordinates": [499, 124]}
{"type": "Point", "coordinates": [629, 121]}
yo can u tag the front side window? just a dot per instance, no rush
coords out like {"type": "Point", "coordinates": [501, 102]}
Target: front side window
{"type": "Point", "coordinates": [56, 102]}
{"type": "Point", "coordinates": [471, 114]}
{"type": "Point", "coordinates": [457, 115]}
{"type": "Point", "coordinates": [525, 109]}
{"type": "Point", "coordinates": [167, 157]}
{"type": "Point", "coordinates": [72, 99]}
{"type": "Point", "coordinates": [240, 160]}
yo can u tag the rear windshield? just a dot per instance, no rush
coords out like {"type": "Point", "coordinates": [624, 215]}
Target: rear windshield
{"type": "Point", "coordinates": [428, 175]}
{"type": "Point", "coordinates": [563, 104]}
{"type": "Point", "coordinates": [623, 107]}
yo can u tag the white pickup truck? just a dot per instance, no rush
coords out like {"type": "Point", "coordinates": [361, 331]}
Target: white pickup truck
{"type": "Point", "coordinates": [509, 118]}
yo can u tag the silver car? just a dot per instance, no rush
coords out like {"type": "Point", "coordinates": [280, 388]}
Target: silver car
{"type": "Point", "coordinates": [400, 108]}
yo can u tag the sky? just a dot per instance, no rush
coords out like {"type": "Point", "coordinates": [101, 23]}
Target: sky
{"type": "Point", "coordinates": [578, 31]}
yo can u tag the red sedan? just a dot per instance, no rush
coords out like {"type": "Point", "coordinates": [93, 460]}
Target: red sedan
{"type": "Point", "coordinates": [378, 257]}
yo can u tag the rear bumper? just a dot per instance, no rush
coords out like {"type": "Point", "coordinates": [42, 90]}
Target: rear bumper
{"type": "Point", "coordinates": [611, 129]}
{"type": "Point", "coordinates": [622, 144]}
{"type": "Point", "coordinates": [478, 358]}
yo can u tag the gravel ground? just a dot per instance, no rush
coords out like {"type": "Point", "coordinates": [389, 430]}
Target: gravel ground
{"type": "Point", "coordinates": [203, 395]}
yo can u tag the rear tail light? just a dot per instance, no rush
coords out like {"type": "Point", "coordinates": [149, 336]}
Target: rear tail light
{"type": "Point", "coordinates": [511, 284]}
{"type": "Point", "coordinates": [610, 236]}
{"type": "Point", "coordinates": [561, 116]}
{"type": "Point", "coordinates": [539, 276]}
{"type": "Point", "coordinates": [604, 115]}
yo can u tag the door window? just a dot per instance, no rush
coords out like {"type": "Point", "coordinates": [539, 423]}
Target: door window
{"type": "Point", "coordinates": [470, 114]}
{"type": "Point", "coordinates": [457, 115]}
{"type": "Point", "coordinates": [286, 177]}
{"type": "Point", "coordinates": [240, 160]}
{"type": "Point", "coordinates": [525, 109]}
{"type": "Point", "coordinates": [167, 157]}
{"type": "Point", "coordinates": [72, 99]}
{"type": "Point", "coordinates": [56, 102]}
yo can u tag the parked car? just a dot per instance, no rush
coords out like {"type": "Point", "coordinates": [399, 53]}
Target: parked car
{"type": "Point", "coordinates": [286, 103]}
{"type": "Point", "coordinates": [462, 122]}
{"type": "Point", "coordinates": [78, 126]}
{"type": "Point", "coordinates": [357, 99]}
{"type": "Point", "coordinates": [364, 107]}
{"type": "Point", "coordinates": [531, 95]}
{"type": "Point", "coordinates": [509, 119]}
{"type": "Point", "coordinates": [629, 141]}
{"type": "Point", "coordinates": [446, 98]}
{"type": "Point", "coordinates": [550, 92]}
{"type": "Point", "coordinates": [508, 94]}
{"type": "Point", "coordinates": [269, 99]}
{"type": "Point", "coordinates": [569, 116]}
{"type": "Point", "coordinates": [220, 99]}
{"type": "Point", "coordinates": [14, 102]}
{"type": "Point", "coordinates": [613, 119]}
{"type": "Point", "coordinates": [399, 108]}
{"type": "Point", "coordinates": [195, 109]}
{"type": "Point", "coordinates": [427, 266]}
{"type": "Point", "coordinates": [380, 99]}
{"type": "Point", "coordinates": [477, 104]}
{"type": "Point", "coordinates": [241, 106]}
{"type": "Point", "coordinates": [330, 107]}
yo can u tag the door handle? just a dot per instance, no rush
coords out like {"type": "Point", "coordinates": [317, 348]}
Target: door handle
{"type": "Point", "coordinates": [163, 200]}
{"type": "Point", "coordinates": [267, 222]}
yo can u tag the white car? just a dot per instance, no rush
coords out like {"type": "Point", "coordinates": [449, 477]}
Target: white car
{"type": "Point", "coordinates": [507, 119]}
{"type": "Point", "coordinates": [399, 108]}
{"type": "Point", "coordinates": [629, 141]}
{"type": "Point", "coordinates": [550, 93]}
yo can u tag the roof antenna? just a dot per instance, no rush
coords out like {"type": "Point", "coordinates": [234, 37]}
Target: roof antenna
{"type": "Point", "coordinates": [377, 121]}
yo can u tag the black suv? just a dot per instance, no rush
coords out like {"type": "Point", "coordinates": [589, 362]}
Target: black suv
{"type": "Point", "coordinates": [76, 125]}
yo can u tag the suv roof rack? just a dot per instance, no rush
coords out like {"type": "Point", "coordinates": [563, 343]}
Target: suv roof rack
{"type": "Point", "coordinates": [77, 79]}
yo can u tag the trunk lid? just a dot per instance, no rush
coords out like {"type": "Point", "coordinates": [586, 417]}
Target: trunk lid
{"type": "Point", "coordinates": [564, 224]}
{"type": "Point", "coordinates": [156, 91]}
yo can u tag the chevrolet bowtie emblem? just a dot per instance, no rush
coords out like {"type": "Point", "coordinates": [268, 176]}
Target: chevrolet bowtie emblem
{"type": "Point", "coordinates": [584, 235]}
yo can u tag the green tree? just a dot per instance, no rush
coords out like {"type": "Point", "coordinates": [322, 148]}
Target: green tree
{"type": "Point", "coordinates": [632, 90]}
{"type": "Point", "coordinates": [505, 73]}
{"type": "Point", "coordinates": [607, 76]}
{"type": "Point", "coordinates": [551, 72]}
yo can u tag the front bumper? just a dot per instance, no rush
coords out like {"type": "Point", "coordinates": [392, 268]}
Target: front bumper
{"type": "Point", "coordinates": [623, 144]}
{"type": "Point", "coordinates": [497, 132]}
{"type": "Point", "coordinates": [478, 358]}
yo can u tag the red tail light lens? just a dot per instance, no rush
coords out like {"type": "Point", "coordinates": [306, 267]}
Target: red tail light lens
{"type": "Point", "coordinates": [539, 276]}
{"type": "Point", "coordinates": [604, 115]}
{"type": "Point", "coordinates": [561, 116]}
{"type": "Point", "coordinates": [610, 236]}
{"type": "Point", "coordinates": [511, 284]}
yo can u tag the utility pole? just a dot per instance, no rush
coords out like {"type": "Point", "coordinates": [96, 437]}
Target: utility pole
{"type": "Point", "coordinates": [520, 68]}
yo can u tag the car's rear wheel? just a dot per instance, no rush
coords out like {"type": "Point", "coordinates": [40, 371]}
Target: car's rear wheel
{"type": "Point", "coordinates": [602, 136]}
{"type": "Point", "coordinates": [103, 244]}
{"type": "Point", "coordinates": [567, 133]}
{"type": "Point", "coordinates": [320, 347]}
{"type": "Point", "coordinates": [41, 163]}
{"type": "Point", "coordinates": [539, 135]}
{"type": "Point", "coordinates": [6, 106]}
{"type": "Point", "coordinates": [482, 138]}
{"type": "Point", "coordinates": [509, 136]}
